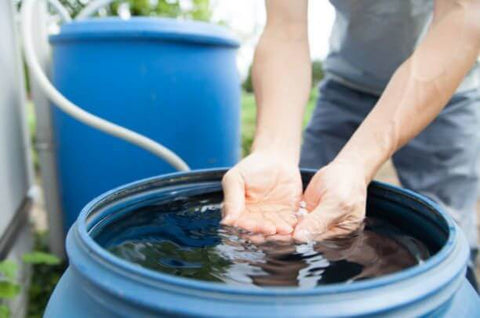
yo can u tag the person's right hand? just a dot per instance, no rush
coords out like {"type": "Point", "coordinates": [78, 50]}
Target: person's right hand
{"type": "Point", "coordinates": [262, 194]}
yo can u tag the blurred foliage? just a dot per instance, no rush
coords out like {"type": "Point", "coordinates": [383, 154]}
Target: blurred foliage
{"type": "Point", "coordinates": [317, 72]}
{"type": "Point", "coordinates": [248, 83]}
{"type": "Point", "coordinates": [8, 289]}
{"type": "Point", "coordinates": [317, 76]}
{"type": "Point", "coordinates": [249, 115]}
{"type": "Point", "coordinates": [8, 269]}
{"type": "Point", "coordinates": [186, 9]}
{"type": "Point", "coordinates": [4, 311]}
{"type": "Point", "coordinates": [47, 269]}
{"type": "Point", "coordinates": [26, 76]}
{"type": "Point", "coordinates": [8, 285]}
{"type": "Point", "coordinates": [39, 258]}
{"type": "Point", "coordinates": [32, 126]}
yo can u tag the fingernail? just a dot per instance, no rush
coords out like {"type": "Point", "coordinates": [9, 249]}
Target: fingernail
{"type": "Point", "coordinates": [302, 235]}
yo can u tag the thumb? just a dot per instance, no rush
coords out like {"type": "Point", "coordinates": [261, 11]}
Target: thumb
{"type": "Point", "coordinates": [234, 196]}
{"type": "Point", "coordinates": [313, 226]}
{"type": "Point", "coordinates": [324, 223]}
{"type": "Point", "coordinates": [313, 194]}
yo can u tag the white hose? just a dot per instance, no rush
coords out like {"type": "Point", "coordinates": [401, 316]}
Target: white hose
{"type": "Point", "coordinates": [61, 10]}
{"type": "Point", "coordinates": [78, 113]}
{"type": "Point", "coordinates": [91, 8]}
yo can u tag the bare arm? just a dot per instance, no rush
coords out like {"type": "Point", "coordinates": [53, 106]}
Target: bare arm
{"type": "Point", "coordinates": [415, 95]}
{"type": "Point", "coordinates": [281, 77]}
{"type": "Point", "coordinates": [421, 86]}
{"type": "Point", "coordinates": [263, 191]}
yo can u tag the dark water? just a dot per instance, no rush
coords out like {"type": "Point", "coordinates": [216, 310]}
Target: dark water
{"type": "Point", "coordinates": [183, 238]}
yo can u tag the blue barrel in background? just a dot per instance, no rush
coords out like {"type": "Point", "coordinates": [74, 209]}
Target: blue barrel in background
{"type": "Point", "coordinates": [173, 81]}
{"type": "Point", "coordinates": [100, 284]}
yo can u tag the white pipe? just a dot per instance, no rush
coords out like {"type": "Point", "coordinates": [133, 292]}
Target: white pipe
{"type": "Point", "coordinates": [44, 135]}
{"type": "Point", "coordinates": [78, 113]}
{"type": "Point", "coordinates": [91, 8]}
{"type": "Point", "coordinates": [61, 10]}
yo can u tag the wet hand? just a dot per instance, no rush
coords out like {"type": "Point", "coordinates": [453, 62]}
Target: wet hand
{"type": "Point", "coordinates": [262, 194]}
{"type": "Point", "coordinates": [335, 200]}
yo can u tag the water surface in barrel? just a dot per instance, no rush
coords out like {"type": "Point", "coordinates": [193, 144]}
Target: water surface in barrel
{"type": "Point", "coordinates": [184, 238]}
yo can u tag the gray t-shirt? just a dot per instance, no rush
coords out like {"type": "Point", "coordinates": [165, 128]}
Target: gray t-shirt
{"type": "Point", "coordinates": [371, 38]}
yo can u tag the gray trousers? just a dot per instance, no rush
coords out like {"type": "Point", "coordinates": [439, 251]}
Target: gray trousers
{"type": "Point", "coordinates": [442, 162]}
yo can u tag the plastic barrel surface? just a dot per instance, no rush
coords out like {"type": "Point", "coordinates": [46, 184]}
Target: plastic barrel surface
{"type": "Point", "coordinates": [98, 284]}
{"type": "Point", "coordinates": [173, 81]}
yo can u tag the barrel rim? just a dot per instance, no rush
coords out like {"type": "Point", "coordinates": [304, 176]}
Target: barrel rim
{"type": "Point", "coordinates": [82, 234]}
{"type": "Point", "coordinates": [145, 28]}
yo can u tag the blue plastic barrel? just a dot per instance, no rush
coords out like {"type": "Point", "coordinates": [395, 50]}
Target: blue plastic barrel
{"type": "Point", "coordinates": [173, 81]}
{"type": "Point", "coordinates": [99, 284]}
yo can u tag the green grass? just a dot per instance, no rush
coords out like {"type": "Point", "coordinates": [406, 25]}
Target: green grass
{"type": "Point", "coordinates": [249, 117]}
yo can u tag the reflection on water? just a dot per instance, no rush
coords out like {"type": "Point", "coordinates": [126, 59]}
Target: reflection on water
{"type": "Point", "coordinates": [186, 240]}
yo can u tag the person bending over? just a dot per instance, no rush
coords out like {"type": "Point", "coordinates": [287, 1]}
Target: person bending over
{"type": "Point", "coordinates": [401, 81]}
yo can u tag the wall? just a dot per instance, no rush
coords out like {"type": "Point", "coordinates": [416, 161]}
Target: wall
{"type": "Point", "coordinates": [15, 164]}
{"type": "Point", "coordinates": [14, 155]}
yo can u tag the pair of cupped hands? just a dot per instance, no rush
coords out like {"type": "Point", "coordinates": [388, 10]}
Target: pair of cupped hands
{"type": "Point", "coordinates": [263, 194]}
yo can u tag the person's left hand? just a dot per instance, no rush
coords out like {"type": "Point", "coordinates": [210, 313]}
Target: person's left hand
{"type": "Point", "coordinates": [335, 200]}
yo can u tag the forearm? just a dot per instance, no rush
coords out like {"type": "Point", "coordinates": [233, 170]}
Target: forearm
{"type": "Point", "coordinates": [419, 89]}
{"type": "Point", "coordinates": [281, 79]}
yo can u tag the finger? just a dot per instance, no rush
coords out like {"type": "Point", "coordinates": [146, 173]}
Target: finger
{"type": "Point", "coordinates": [255, 224]}
{"type": "Point", "coordinates": [281, 226]}
{"type": "Point", "coordinates": [313, 225]}
{"type": "Point", "coordinates": [288, 216]}
{"type": "Point", "coordinates": [253, 238]}
{"type": "Point", "coordinates": [332, 232]}
{"type": "Point", "coordinates": [257, 239]}
{"type": "Point", "coordinates": [279, 238]}
{"type": "Point", "coordinates": [319, 226]}
{"type": "Point", "coordinates": [312, 195]}
{"type": "Point", "coordinates": [234, 196]}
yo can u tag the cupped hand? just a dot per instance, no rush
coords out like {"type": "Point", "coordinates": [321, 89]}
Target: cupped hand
{"type": "Point", "coordinates": [335, 200]}
{"type": "Point", "coordinates": [262, 194]}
